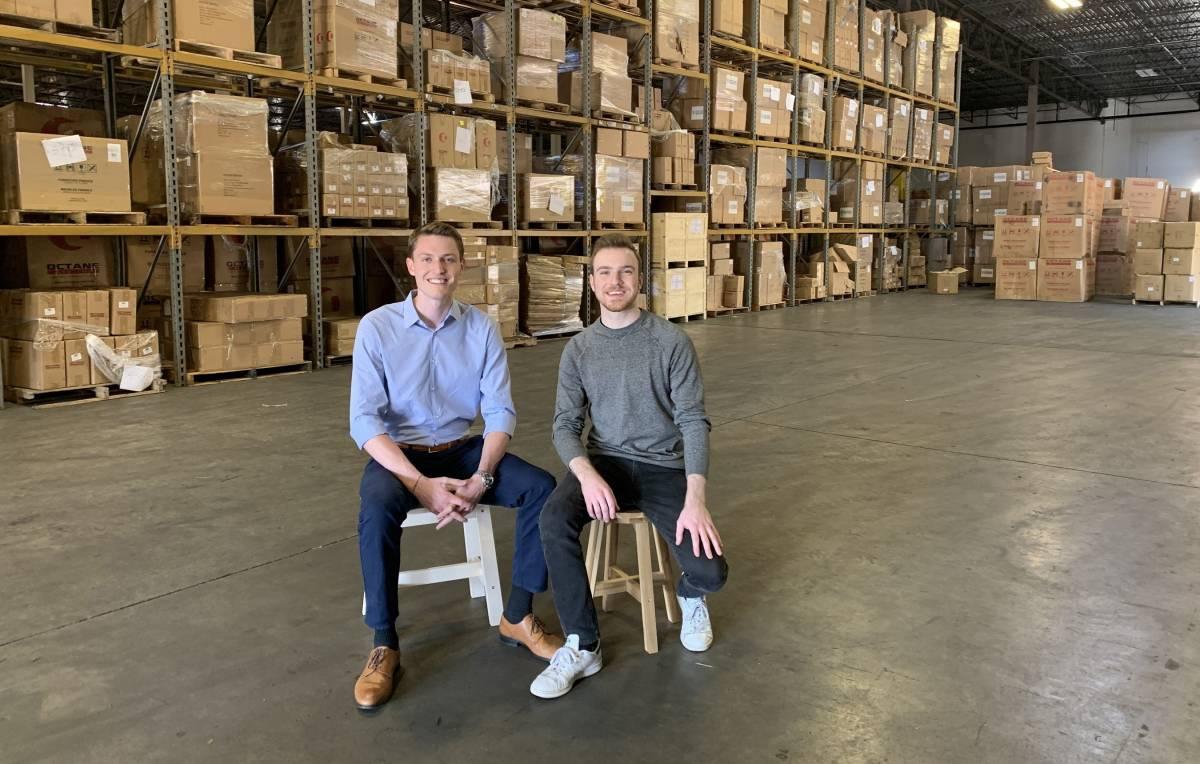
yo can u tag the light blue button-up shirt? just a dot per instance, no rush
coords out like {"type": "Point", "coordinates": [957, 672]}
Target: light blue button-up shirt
{"type": "Point", "coordinates": [425, 386]}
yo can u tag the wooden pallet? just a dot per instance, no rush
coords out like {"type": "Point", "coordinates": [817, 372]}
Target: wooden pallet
{"type": "Point", "coordinates": [779, 224]}
{"type": "Point", "coordinates": [732, 133]}
{"type": "Point", "coordinates": [240, 375]}
{"type": "Point", "coordinates": [544, 105]}
{"type": "Point", "coordinates": [552, 225]}
{"type": "Point", "coordinates": [677, 64]}
{"type": "Point", "coordinates": [338, 360]}
{"type": "Point", "coordinates": [486, 225]}
{"type": "Point", "coordinates": [521, 341]}
{"type": "Point", "coordinates": [73, 396]}
{"type": "Point", "coordinates": [639, 226]}
{"type": "Point", "coordinates": [772, 306]}
{"type": "Point", "coordinates": [357, 76]}
{"type": "Point", "coordinates": [137, 62]}
{"type": "Point", "coordinates": [61, 27]}
{"type": "Point", "coordinates": [621, 117]}
{"type": "Point", "coordinates": [618, 6]}
{"type": "Point", "coordinates": [809, 300]}
{"type": "Point", "coordinates": [35, 217]}
{"type": "Point", "coordinates": [336, 221]}
{"type": "Point", "coordinates": [846, 296]}
{"type": "Point", "coordinates": [289, 221]}
{"type": "Point", "coordinates": [673, 186]}
{"type": "Point", "coordinates": [728, 36]}
{"type": "Point", "coordinates": [773, 49]}
{"type": "Point", "coordinates": [445, 91]}
{"type": "Point", "coordinates": [229, 54]}
{"type": "Point", "coordinates": [772, 139]}
{"type": "Point", "coordinates": [714, 312]}
{"type": "Point", "coordinates": [687, 319]}
{"type": "Point", "coordinates": [873, 154]}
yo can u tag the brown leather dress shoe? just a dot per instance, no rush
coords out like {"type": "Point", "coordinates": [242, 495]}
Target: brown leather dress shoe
{"type": "Point", "coordinates": [531, 634]}
{"type": "Point", "coordinates": [378, 679]}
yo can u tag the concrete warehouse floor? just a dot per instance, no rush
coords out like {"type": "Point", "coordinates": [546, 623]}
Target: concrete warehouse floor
{"type": "Point", "coordinates": [959, 531]}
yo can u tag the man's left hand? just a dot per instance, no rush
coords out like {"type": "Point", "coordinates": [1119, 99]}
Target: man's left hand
{"type": "Point", "coordinates": [471, 491]}
{"type": "Point", "coordinates": [695, 520]}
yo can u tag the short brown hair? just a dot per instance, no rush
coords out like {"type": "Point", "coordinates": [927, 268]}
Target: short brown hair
{"type": "Point", "coordinates": [436, 228]}
{"type": "Point", "coordinates": [615, 241]}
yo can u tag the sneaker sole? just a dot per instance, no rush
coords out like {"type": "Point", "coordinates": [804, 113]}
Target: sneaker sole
{"type": "Point", "coordinates": [590, 672]}
{"type": "Point", "coordinates": [510, 642]}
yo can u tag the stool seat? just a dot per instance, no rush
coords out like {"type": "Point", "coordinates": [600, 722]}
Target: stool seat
{"type": "Point", "coordinates": [480, 568]}
{"type": "Point", "coordinates": [606, 579]}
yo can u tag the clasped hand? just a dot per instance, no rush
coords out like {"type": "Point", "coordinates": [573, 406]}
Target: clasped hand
{"type": "Point", "coordinates": [449, 498]}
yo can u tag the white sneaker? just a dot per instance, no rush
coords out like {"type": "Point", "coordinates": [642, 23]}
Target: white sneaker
{"type": "Point", "coordinates": [696, 632]}
{"type": "Point", "coordinates": [569, 665]}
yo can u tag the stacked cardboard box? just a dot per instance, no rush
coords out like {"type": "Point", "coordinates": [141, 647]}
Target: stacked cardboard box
{"type": "Point", "coordinates": [678, 291]}
{"type": "Point", "coordinates": [674, 157]}
{"type": "Point", "coordinates": [339, 334]}
{"type": "Point", "coordinates": [541, 46]}
{"type": "Point", "coordinates": [811, 42]}
{"type": "Point", "coordinates": [808, 201]}
{"type": "Point", "coordinates": [898, 41]}
{"type": "Point", "coordinates": [947, 59]}
{"type": "Point", "coordinates": [810, 100]}
{"type": "Point", "coordinates": [728, 99]}
{"type": "Point", "coordinates": [337, 273]}
{"type": "Point", "coordinates": [983, 269]}
{"type": "Point", "coordinates": [1181, 262]}
{"type": "Point", "coordinates": [356, 181]}
{"type": "Point", "coordinates": [43, 333]}
{"type": "Point", "coordinates": [678, 238]}
{"type": "Point", "coordinates": [873, 46]}
{"type": "Point", "coordinates": [873, 136]}
{"type": "Point", "coordinates": [688, 106]}
{"type": "Point", "coordinates": [551, 293]}
{"type": "Point", "coordinates": [492, 283]}
{"type": "Point", "coordinates": [58, 262]}
{"type": "Point", "coordinates": [922, 134]}
{"type": "Point", "coordinates": [351, 36]}
{"type": "Point", "coordinates": [1146, 198]}
{"type": "Point", "coordinates": [916, 271]}
{"type": "Point", "coordinates": [773, 109]}
{"type": "Point", "coordinates": [611, 87]}
{"type": "Point", "coordinates": [845, 35]}
{"type": "Point", "coordinates": [923, 29]}
{"type": "Point", "coordinates": [762, 263]}
{"type": "Point", "coordinates": [1114, 253]}
{"type": "Point", "coordinates": [139, 256]}
{"type": "Point", "coordinates": [63, 173]}
{"type": "Point", "coordinates": [727, 18]}
{"type": "Point", "coordinates": [944, 135]}
{"type": "Point", "coordinates": [773, 24]}
{"type": "Point", "coordinates": [676, 32]}
{"type": "Point", "coordinates": [770, 179]}
{"type": "Point", "coordinates": [899, 128]}
{"type": "Point", "coordinates": [1017, 244]}
{"type": "Point", "coordinates": [619, 175]}
{"type": "Point", "coordinates": [726, 289]}
{"type": "Point", "coordinates": [863, 186]}
{"type": "Point", "coordinates": [229, 332]}
{"type": "Point", "coordinates": [459, 73]}
{"type": "Point", "coordinates": [461, 156]}
{"type": "Point", "coordinates": [727, 190]}
{"type": "Point", "coordinates": [893, 273]}
{"type": "Point", "coordinates": [845, 123]}
{"type": "Point", "coordinates": [225, 23]}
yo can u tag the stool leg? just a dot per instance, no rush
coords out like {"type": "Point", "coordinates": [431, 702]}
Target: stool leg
{"type": "Point", "coordinates": [491, 571]}
{"type": "Point", "coordinates": [607, 557]}
{"type": "Point", "coordinates": [666, 570]}
{"type": "Point", "coordinates": [364, 603]}
{"type": "Point", "coordinates": [592, 556]}
{"type": "Point", "coordinates": [646, 587]}
{"type": "Point", "coordinates": [471, 542]}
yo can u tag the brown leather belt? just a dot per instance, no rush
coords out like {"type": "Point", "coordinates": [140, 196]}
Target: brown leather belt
{"type": "Point", "coordinates": [434, 449]}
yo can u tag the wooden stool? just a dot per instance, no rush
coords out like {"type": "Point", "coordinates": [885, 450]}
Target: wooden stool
{"type": "Point", "coordinates": [606, 579]}
{"type": "Point", "coordinates": [480, 568]}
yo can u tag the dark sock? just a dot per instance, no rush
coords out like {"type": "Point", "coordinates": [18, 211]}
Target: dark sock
{"type": "Point", "coordinates": [520, 604]}
{"type": "Point", "coordinates": [591, 647]}
{"type": "Point", "coordinates": [387, 638]}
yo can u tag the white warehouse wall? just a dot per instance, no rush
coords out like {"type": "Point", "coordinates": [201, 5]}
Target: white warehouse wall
{"type": "Point", "coordinates": [1150, 147]}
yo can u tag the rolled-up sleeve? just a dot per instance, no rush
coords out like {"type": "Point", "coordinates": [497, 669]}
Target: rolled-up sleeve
{"type": "Point", "coordinates": [495, 388]}
{"type": "Point", "coordinates": [368, 386]}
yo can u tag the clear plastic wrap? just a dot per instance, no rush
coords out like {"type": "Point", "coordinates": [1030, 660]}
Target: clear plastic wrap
{"type": "Point", "coordinates": [462, 196]}
{"type": "Point", "coordinates": [547, 198]}
{"type": "Point", "coordinates": [677, 31]}
{"type": "Point", "coordinates": [540, 34]}
{"type": "Point", "coordinates": [812, 91]}
{"type": "Point", "coordinates": [133, 361]}
{"type": "Point", "coordinates": [922, 138]}
{"type": "Point", "coordinates": [443, 68]}
{"type": "Point", "coordinates": [216, 346]}
{"type": "Point", "coordinates": [216, 122]}
{"type": "Point", "coordinates": [812, 124]}
{"type": "Point", "coordinates": [353, 37]}
{"type": "Point", "coordinates": [727, 187]}
{"type": "Point", "coordinates": [619, 173]}
{"type": "Point", "coordinates": [610, 92]}
{"type": "Point", "coordinates": [945, 143]}
{"type": "Point", "coordinates": [845, 34]}
{"type": "Point", "coordinates": [899, 128]}
{"type": "Point", "coordinates": [225, 23]}
{"type": "Point", "coordinates": [355, 181]}
{"type": "Point", "coordinates": [609, 55]}
{"type": "Point", "coordinates": [551, 294]}
{"type": "Point", "coordinates": [921, 29]}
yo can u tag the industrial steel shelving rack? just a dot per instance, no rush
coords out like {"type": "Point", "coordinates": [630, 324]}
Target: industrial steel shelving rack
{"type": "Point", "coordinates": [163, 70]}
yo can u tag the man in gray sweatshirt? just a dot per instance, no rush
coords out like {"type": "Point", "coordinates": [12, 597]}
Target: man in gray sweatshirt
{"type": "Point", "coordinates": [637, 376]}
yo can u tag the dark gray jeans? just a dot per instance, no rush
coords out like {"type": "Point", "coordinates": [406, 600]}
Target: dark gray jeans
{"type": "Point", "coordinates": [657, 492]}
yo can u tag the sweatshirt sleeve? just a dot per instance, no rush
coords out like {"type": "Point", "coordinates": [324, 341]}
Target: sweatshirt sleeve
{"type": "Point", "coordinates": [570, 408]}
{"type": "Point", "coordinates": [687, 397]}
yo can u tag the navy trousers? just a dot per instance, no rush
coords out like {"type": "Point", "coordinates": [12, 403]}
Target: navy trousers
{"type": "Point", "coordinates": [385, 503]}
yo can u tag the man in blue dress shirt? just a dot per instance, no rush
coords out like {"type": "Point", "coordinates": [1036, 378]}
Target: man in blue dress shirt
{"type": "Point", "coordinates": [424, 369]}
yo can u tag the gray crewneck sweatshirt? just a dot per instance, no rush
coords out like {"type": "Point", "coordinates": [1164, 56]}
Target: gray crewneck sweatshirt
{"type": "Point", "coordinates": [641, 386]}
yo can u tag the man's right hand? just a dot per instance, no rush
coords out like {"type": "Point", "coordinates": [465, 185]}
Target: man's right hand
{"type": "Point", "coordinates": [437, 495]}
{"type": "Point", "coordinates": [601, 504]}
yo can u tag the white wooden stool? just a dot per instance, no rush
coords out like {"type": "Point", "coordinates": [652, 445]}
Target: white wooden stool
{"type": "Point", "coordinates": [606, 579]}
{"type": "Point", "coordinates": [480, 569]}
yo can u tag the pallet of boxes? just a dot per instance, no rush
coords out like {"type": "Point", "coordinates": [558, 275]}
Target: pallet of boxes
{"type": "Point", "coordinates": [449, 69]}
{"type": "Point", "coordinates": [678, 270]}
{"type": "Point", "coordinates": [726, 289]}
{"type": "Point", "coordinates": [357, 182]}
{"type": "Point", "coordinates": [761, 264]}
{"type": "Point", "coordinates": [353, 38]}
{"type": "Point", "coordinates": [239, 336]}
{"type": "Point", "coordinates": [491, 281]}
{"type": "Point", "coordinates": [1165, 262]}
{"type": "Point", "coordinates": [552, 289]}
{"type": "Point", "coordinates": [461, 159]}
{"type": "Point", "coordinates": [83, 341]}
{"type": "Point", "coordinates": [770, 179]}
{"type": "Point", "coordinates": [1072, 203]}
{"type": "Point", "coordinates": [541, 46]}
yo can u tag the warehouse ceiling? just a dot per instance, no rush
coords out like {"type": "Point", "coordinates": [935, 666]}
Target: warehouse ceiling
{"type": "Point", "coordinates": [1082, 56]}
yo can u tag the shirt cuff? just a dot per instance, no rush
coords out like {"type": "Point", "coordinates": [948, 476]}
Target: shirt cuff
{"type": "Point", "coordinates": [503, 422]}
{"type": "Point", "coordinates": [362, 430]}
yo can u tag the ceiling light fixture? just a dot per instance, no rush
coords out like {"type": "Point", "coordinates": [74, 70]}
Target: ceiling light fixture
{"type": "Point", "coordinates": [1147, 72]}
{"type": "Point", "coordinates": [1067, 5]}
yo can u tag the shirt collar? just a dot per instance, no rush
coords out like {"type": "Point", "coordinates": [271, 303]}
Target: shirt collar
{"type": "Point", "coordinates": [408, 311]}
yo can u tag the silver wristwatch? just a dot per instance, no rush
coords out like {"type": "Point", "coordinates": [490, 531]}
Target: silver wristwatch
{"type": "Point", "coordinates": [488, 479]}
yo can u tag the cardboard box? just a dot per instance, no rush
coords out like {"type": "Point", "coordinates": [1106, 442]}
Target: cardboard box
{"type": "Point", "coordinates": [1114, 275]}
{"type": "Point", "coordinates": [226, 184]}
{"type": "Point", "coordinates": [1073, 193]}
{"type": "Point", "coordinates": [139, 254]}
{"type": "Point", "coordinates": [1179, 204]}
{"type": "Point", "coordinates": [1148, 287]}
{"type": "Point", "coordinates": [1116, 234]}
{"type": "Point", "coordinates": [1181, 288]}
{"type": "Point", "coordinates": [213, 22]}
{"type": "Point", "coordinates": [983, 272]}
{"type": "Point", "coordinates": [1066, 279]}
{"type": "Point", "coordinates": [1025, 198]}
{"type": "Point", "coordinates": [1181, 262]}
{"type": "Point", "coordinates": [1016, 278]}
{"type": "Point", "coordinates": [1017, 236]}
{"type": "Point", "coordinates": [1145, 197]}
{"type": "Point", "coordinates": [524, 151]}
{"type": "Point", "coordinates": [243, 308]}
{"type": "Point", "coordinates": [810, 44]}
{"type": "Point", "coordinates": [57, 262]}
{"type": "Point", "coordinates": [35, 365]}
{"type": "Point", "coordinates": [354, 37]}
{"type": "Point", "coordinates": [1148, 261]}
{"type": "Point", "coordinates": [945, 282]}
{"type": "Point", "coordinates": [727, 185]}
{"type": "Point", "coordinates": [845, 123]}
{"type": "Point", "coordinates": [610, 93]}
{"type": "Point", "coordinates": [900, 114]}
{"type": "Point", "coordinates": [1066, 236]}
{"type": "Point", "coordinates": [1148, 235]}
{"type": "Point", "coordinates": [100, 183]}
{"type": "Point", "coordinates": [21, 117]}
{"type": "Point", "coordinates": [122, 311]}
{"type": "Point", "coordinates": [548, 198]}
{"type": "Point", "coordinates": [227, 264]}
{"type": "Point", "coordinates": [462, 196]}
{"type": "Point", "coordinates": [337, 295]}
{"type": "Point", "coordinates": [985, 244]}
{"type": "Point", "coordinates": [989, 203]}
{"type": "Point", "coordinates": [727, 16]}
{"type": "Point", "coordinates": [1181, 235]}
{"type": "Point", "coordinates": [668, 291]}
{"type": "Point", "coordinates": [609, 141]}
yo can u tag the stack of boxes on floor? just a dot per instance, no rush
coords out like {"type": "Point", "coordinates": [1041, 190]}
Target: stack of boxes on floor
{"type": "Point", "coordinates": [491, 281]}
{"type": "Point", "coordinates": [355, 180]}
{"type": "Point", "coordinates": [337, 290]}
{"type": "Point", "coordinates": [762, 263]}
{"type": "Point", "coordinates": [233, 332]}
{"type": "Point", "coordinates": [461, 154]}
{"type": "Point", "coordinates": [726, 289]}
{"type": "Point", "coordinates": [551, 293]}
{"type": "Point", "coordinates": [678, 271]}
{"type": "Point", "coordinates": [1169, 272]}
{"type": "Point", "coordinates": [352, 37]}
{"type": "Point", "coordinates": [541, 46]}
{"type": "Point", "coordinates": [43, 337]}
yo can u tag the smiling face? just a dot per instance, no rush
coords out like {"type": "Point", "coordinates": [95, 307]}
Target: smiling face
{"type": "Point", "coordinates": [615, 279]}
{"type": "Point", "coordinates": [435, 264]}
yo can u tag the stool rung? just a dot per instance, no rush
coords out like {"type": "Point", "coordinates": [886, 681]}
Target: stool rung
{"type": "Point", "coordinates": [441, 574]}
